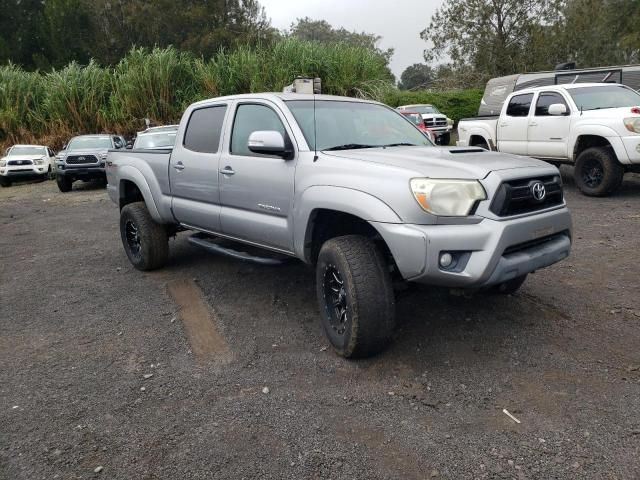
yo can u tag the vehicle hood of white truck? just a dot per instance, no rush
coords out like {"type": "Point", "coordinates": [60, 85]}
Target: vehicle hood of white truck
{"type": "Point", "coordinates": [23, 157]}
{"type": "Point", "coordinates": [464, 163]}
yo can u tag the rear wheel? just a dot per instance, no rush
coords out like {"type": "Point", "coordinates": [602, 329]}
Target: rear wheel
{"type": "Point", "coordinates": [65, 184]}
{"type": "Point", "coordinates": [145, 241]}
{"type": "Point", "coordinates": [355, 294]}
{"type": "Point", "coordinates": [597, 172]}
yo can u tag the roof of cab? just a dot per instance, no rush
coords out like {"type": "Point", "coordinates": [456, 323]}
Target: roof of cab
{"type": "Point", "coordinates": [284, 97]}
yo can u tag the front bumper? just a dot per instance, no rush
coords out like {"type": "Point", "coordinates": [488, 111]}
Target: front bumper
{"type": "Point", "coordinates": [23, 171]}
{"type": "Point", "coordinates": [493, 251]}
{"type": "Point", "coordinates": [81, 172]}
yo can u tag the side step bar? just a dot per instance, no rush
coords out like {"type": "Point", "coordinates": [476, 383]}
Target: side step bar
{"type": "Point", "coordinates": [206, 242]}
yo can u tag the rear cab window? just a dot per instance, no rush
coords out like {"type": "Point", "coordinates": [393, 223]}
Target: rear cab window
{"type": "Point", "coordinates": [519, 105]}
{"type": "Point", "coordinates": [204, 129]}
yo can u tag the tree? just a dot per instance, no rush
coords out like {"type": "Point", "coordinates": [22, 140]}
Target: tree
{"type": "Point", "coordinates": [416, 76]}
{"type": "Point", "coordinates": [322, 31]}
{"type": "Point", "coordinates": [495, 37]}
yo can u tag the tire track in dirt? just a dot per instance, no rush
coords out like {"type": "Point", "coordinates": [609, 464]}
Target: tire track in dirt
{"type": "Point", "coordinates": [200, 322]}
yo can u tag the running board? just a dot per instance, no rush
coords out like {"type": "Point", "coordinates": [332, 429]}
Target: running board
{"type": "Point", "coordinates": [206, 242]}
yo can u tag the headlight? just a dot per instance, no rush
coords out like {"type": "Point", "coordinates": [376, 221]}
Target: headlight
{"type": "Point", "coordinates": [103, 156]}
{"type": "Point", "coordinates": [453, 198]}
{"type": "Point", "coordinates": [632, 124]}
{"type": "Point", "coordinates": [39, 161]}
{"type": "Point", "coordinates": [3, 163]}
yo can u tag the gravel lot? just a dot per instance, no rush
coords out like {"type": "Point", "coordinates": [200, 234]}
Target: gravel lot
{"type": "Point", "coordinates": [217, 369]}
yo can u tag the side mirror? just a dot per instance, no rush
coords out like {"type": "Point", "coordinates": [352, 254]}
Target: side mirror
{"type": "Point", "coordinates": [269, 142]}
{"type": "Point", "coordinates": [557, 109]}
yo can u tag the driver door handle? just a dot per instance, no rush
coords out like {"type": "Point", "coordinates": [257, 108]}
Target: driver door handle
{"type": "Point", "coordinates": [227, 171]}
{"type": "Point", "coordinates": [179, 166]}
{"type": "Point", "coordinates": [533, 124]}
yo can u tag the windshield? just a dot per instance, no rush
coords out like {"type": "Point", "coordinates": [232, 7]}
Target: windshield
{"type": "Point", "coordinates": [423, 109]}
{"type": "Point", "coordinates": [156, 140]}
{"type": "Point", "coordinates": [349, 125]}
{"type": "Point", "coordinates": [609, 96]}
{"type": "Point", "coordinates": [15, 151]}
{"type": "Point", "coordinates": [82, 143]}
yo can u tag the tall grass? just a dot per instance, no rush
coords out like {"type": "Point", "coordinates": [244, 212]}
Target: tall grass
{"type": "Point", "coordinates": [160, 83]}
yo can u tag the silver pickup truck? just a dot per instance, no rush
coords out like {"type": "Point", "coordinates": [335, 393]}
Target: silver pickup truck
{"type": "Point", "coordinates": [350, 187]}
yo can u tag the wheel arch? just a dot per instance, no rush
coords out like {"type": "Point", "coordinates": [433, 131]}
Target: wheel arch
{"type": "Point", "coordinates": [133, 187]}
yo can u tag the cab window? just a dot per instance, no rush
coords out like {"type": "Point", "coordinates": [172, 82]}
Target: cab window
{"type": "Point", "coordinates": [251, 118]}
{"type": "Point", "coordinates": [545, 100]}
{"type": "Point", "coordinates": [205, 129]}
{"type": "Point", "coordinates": [519, 105]}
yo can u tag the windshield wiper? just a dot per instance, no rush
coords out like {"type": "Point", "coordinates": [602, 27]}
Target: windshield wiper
{"type": "Point", "coordinates": [350, 146]}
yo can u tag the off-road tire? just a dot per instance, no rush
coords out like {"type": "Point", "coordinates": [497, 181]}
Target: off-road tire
{"type": "Point", "coordinates": [5, 182]}
{"type": "Point", "coordinates": [368, 294]}
{"type": "Point", "coordinates": [510, 286]}
{"type": "Point", "coordinates": [600, 159]}
{"type": "Point", "coordinates": [65, 184]}
{"type": "Point", "coordinates": [152, 237]}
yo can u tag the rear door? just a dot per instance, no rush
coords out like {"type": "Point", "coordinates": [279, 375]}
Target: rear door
{"type": "Point", "coordinates": [548, 134]}
{"type": "Point", "coordinates": [513, 125]}
{"type": "Point", "coordinates": [193, 169]}
{"type": "Point", "coordinates": [257, 190]}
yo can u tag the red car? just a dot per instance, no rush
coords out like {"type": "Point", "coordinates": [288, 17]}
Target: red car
{"type": "Point", "coordinates": [416, 118]}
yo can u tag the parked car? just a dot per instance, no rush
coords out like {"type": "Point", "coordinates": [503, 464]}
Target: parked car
{"type": "Point", "coordinates": [416, 119]}
{"type": "Point", "coordinates": [594, 126]}
{"type": "Point", "coordinates": [24, 162]}
{"type": "Point", "coordinates": [84, 157]}
{"type": "Point", "coordinates": [434, 120]}
{"type": "Point", "coordinates": [350, 187]}
{"type": "Point", "coordinates": [156, 138]}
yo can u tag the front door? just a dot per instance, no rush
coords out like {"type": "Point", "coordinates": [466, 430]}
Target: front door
{"type": "Point", "coordinates": [513, 125]}
{"type": "Point", "coordinates": [256, 191]}
{"type": "Point", "coordinates": [549, 134]}
{"type": "Point", "coordinates": [193, 170]}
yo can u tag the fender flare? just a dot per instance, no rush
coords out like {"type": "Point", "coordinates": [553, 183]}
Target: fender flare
{"type": "Point", "coordinates": [134, 175]}
{"type": "Point", "coordinates": [601, 131]}
{"type": "Point", "coordinates": [341, 199]}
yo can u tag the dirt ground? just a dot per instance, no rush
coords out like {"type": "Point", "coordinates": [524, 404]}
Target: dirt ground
{"type": "Point", "coordinates": [212, 368]}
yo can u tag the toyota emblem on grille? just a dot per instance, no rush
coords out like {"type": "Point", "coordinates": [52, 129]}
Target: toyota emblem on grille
{"type": "Point", "coordinates": [82, 159]}
{"type": "Point", "coordinates": [538, 191]}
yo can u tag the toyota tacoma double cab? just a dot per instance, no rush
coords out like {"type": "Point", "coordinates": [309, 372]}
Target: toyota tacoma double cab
{"type": "Point", "coordinates": [593, 126]}
{"type": "Point", "coordinates": [83, 158]}
{"type": "Point", "coordinates": [350, 187]}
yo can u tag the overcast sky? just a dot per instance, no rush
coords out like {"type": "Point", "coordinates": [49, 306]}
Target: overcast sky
{"type": "Point", "coordinates": [398, 22]}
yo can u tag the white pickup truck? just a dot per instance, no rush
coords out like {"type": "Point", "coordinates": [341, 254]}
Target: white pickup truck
{"type": "Point", "coordinates": [595, 126]}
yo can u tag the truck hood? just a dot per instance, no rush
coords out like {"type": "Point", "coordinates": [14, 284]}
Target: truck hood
{"type": "Point", "coordinates": [85, 151]}
{"type": "Point", "coordinates": [622, 112]}
{"type": "Point", "coordinates": [436, 162]}
{"type": "Point", "coordinates": [22, 157]}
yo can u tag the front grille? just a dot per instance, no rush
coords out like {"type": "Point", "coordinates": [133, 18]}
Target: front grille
{"type": "Point", "coordinates": [19, 162]}
{"type": "Point", "coordinates": [435, 122]}
{"type": "Point", "coordinates": [516, 197]}
{"type": "Point", "coordinates": [81, 159]}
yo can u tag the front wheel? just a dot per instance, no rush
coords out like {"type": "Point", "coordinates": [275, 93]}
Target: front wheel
{"type": "Point", "coordinates": [597, 172]}
{"type": "Point", "coordinates": [5, 182]}
{"type": "Point", "coordinates": [445, 139]}
{"type": "Point", "coordinates": [355, 293]}
{"type": "Point", "coordinates": [145, 241]}
{"type": "Point", "coordinates": [65, 184]}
